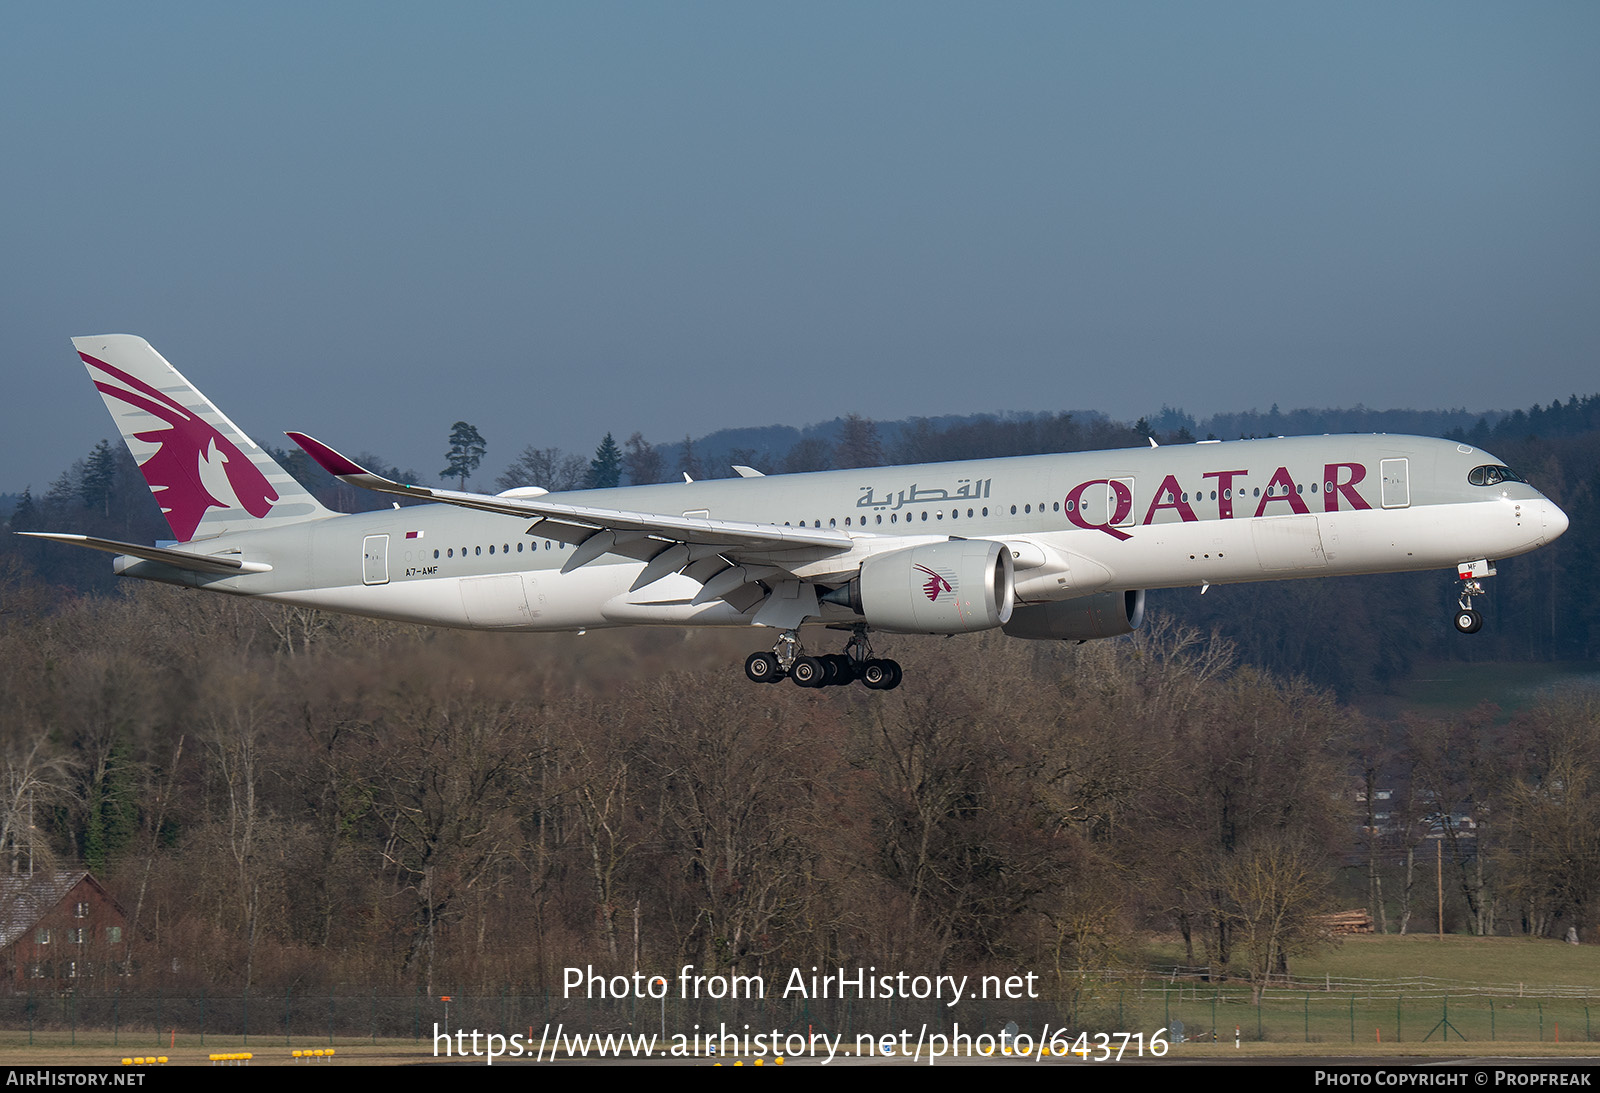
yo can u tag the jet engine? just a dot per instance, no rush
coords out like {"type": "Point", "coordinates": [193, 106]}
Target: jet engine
{"type": "Point", "coordinates": [938, 588]}
{"type": "Point", "coordinates": [1101, 615]}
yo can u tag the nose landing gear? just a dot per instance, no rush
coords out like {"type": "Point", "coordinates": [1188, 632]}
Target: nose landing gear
{"type": "Point", "coordinates": [1467, 620]}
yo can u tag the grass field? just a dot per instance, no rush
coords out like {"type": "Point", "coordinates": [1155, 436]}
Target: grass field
{"type": "Point", "coordinates": [1497, 962]}
{"type": "Point", "coordinates": [1376, 996]}
{"type": "Point", "coordinates": [1370, 990]}
{"type": "Point", "coordinates": [1440, 688]}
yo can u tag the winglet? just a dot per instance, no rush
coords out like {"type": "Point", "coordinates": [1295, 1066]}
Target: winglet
{"type": "Point", "coordinates": [329, 460]}
{"type": "Point", "coordinates": [348, 470]}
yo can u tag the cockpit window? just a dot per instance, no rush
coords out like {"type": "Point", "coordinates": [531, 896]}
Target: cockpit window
{"type": "Point", "coordinates": [1493, 476]}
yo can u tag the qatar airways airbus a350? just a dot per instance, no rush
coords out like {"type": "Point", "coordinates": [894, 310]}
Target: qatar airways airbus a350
{"type": "Point", "coordinates": [1049, 546]}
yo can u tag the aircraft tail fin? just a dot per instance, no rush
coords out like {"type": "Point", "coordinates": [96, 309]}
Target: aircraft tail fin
{"type": "Point", "coordinates": [206, 474]}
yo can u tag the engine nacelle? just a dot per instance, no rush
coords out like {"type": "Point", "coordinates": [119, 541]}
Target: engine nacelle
{"type": "Point", "coordinates": [1101, 615]}
{"type": "Point", "coordinates": [938, 588]}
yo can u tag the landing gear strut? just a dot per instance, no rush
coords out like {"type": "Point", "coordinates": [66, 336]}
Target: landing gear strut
{"type": "Point", "coordinates": [1467, 620]}
{"type": "Point", "coordinates": [829, 670]}
{"type": "Point", "coordinates": [874, 674]}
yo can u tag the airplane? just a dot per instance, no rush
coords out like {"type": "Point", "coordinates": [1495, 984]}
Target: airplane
{"type": "Point", "coordinates": [1048, 547]}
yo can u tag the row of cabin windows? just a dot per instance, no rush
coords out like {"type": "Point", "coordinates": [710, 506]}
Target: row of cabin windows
{"type": "Point", "coordinates": [955, 514]}
{"type": "Point", "coordinates": [76, 935]}
{"type": "Point", "coordinates": [505, 548]}
{"type": "Point", "coordinates": [894, 517]}
{"type": "Point", "coordinates": [1200, 495]}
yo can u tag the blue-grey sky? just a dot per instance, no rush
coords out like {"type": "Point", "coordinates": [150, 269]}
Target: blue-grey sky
{"type": "Point", "coordinates": [367, 221]}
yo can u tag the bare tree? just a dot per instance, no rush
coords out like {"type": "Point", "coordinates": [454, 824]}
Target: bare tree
{"type": "Point", "coordinates": [1275, 888]}
{"type": "Point", "coordinates": [549, 468]}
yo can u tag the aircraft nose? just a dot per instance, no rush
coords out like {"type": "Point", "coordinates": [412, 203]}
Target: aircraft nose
{"type": "Point", "coordinates": [1555, 521]}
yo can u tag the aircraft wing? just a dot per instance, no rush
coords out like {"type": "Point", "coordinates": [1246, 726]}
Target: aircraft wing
{"type": "Point", "coordinates": [597, 531]}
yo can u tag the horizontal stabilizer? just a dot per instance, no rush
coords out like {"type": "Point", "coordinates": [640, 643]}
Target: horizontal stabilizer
{"type": "Point", "coordinates": [179, 559]}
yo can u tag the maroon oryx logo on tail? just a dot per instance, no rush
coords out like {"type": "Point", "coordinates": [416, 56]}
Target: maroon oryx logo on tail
{"type": "Point", "coordinates": [186, 449]}
{"type": "Point", "coordinates": [935, 584]}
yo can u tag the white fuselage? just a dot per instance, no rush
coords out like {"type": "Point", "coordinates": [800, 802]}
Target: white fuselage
{"type": "Point", "coordinates": [1075, 525]}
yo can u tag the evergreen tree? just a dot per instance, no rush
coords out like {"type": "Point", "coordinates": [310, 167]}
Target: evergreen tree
{"type": "Point", "coordinates": [99, 478]}
{"type": "Point", "coordinates": [466, 452]}
{"type": "Point", "coordinates": [605, 469]}
{"type": "Point", "coordinates": [26, 515]}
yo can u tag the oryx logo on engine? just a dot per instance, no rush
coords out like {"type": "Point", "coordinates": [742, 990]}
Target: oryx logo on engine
{"type": "Point", "coordinates": [935, 584]}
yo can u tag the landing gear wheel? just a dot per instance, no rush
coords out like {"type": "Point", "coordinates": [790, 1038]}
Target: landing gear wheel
{"type": "Point", "coordinates": [875, 675]}
{"type": "Point", "coordinates": [762, 668]}
{"type": "Point", "coordinates": [895, 675]}
{"type": "Point", "coordinates": [1467, 620]}
{"type": "Point", "coordinates": [842, 671]}
{"type": "Point", "coordinates": [808, 672]}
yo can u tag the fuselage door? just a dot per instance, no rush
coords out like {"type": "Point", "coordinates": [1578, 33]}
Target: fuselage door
{"type": "Point", "coordinates": [1124, 517]}
{"type": "Point", "coordinates": [1396, 484]}
{"type": "Point", "coordinates": [1108, 503]}
{"type": "Point", "coordinates": [375, 559]}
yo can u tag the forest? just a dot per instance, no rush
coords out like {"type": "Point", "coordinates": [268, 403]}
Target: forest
{"type": "Point", "coordinates": [282, 798]}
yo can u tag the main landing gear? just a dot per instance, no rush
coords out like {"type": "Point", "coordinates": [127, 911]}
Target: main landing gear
{"type": "Point", "coordinates": [829, 670]}
{"type": "Point", "coordinates": [1467, 620]}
